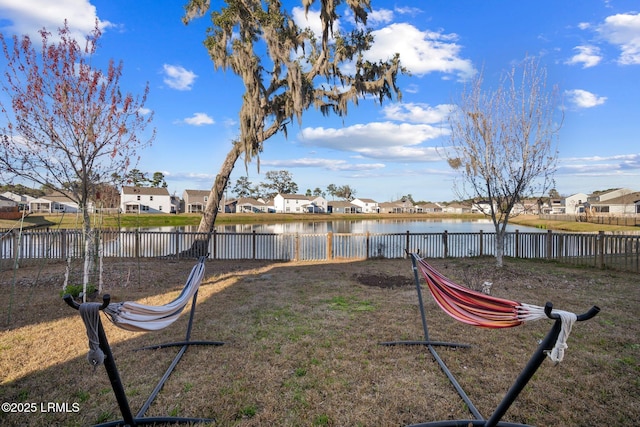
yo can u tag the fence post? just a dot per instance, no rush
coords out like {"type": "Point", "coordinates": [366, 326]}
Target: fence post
{"type": "Point", "coordinates": [16, 244]}
{"type": "Point", "coordinates": [137, 243]}
{"type": "Point", "coordinates": [481, 245]}
{"type": "Point", "coordinates": [368, 244]}
{"type": "Point", "coordinates": [253, 245]}
{"type": "Point", "coordinates": [63, 243]}
{"type": "Point", "coordinates": [297, 247]}
{"type": "Point", "coordinates": [549, 244]}
{"type": "Point", "coordinates": [600, 250]}
{"type": "Point", "coordinates": [445, 243]}
{"type": "Point", "coordinates": [330, 245]}
{"type": "Point", "coordinates": [517, 243]}
{"type": "Point", "coordinates": [215, 244]}
{"type": "Point", "coordinates": [177, 243]}
{"type": "Point", "coordinates": [406, 246]}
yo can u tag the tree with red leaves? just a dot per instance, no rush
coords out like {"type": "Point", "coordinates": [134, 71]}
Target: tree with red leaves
{"type": "Point", "coordinates": [68, 127]}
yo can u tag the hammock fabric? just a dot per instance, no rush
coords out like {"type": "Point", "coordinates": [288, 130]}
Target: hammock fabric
{"type": "Point", "coordinates": [137, 317]}
{"type": "Point", "coordinates": [479, 309]}
{"type": "Point", "coordinates": [476, 308]}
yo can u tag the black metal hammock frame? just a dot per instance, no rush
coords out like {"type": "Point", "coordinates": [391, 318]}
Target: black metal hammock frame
{"type": "Point", "coordinates": [128, 419]}
{"type": "Point", "coordinates": [479, 309]}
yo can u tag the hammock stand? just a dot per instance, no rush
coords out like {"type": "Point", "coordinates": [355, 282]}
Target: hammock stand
{"type": "Point", "coordinates": [546, 346]}
{"type": "Point", "coordinates": [112, 370]}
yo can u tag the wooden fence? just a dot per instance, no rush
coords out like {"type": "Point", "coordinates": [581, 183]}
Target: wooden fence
{"type": "Point", "coordinates": [597, 250]}
{"type": "Point", "coordinates": [600, 218]}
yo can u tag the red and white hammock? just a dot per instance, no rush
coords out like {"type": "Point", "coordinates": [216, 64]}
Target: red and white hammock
{"type": "Point", "coordinates": [479, 309]}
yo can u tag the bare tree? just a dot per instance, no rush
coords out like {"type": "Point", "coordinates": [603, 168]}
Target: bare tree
{"type": "Point", "coordinates": [286, 70]}
{"type": "Point", "coordinates": [503, 142]}
{"type": "Point", "coordinates": [69, 127]}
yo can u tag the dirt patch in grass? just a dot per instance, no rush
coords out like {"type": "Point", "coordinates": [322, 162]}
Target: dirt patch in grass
{"type": "Point", "coordinates": [384, 281]}
{"type": "Point", "coordinates": [302, 345]}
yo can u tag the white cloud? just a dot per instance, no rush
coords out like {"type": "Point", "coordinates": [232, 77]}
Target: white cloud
{"type": "Point", "coordinates": [199, 119]}
{"type": "Point", "coordinates": [602, 166]}
{"type": "Point", "coordinates": [327, 164]}
{"type": "Point", "coordinates": [378, 140]}
{"type": "Point", "coordinates": [588, 56]}
{"type": "Point", "coordinates": [421, 52]}
{"type": "Point", "coordinates": [417, 112]}
{"type": "Point", "coordinates": [177, 77]}
{"type": "Point", "coordinates": [584, 99]}
{"type": "Point", "coordinates": [623, 30]}
{"type": "Point", "coordinates": [28, 17]}
{"type": "Point", "coordinates": [379, 16]}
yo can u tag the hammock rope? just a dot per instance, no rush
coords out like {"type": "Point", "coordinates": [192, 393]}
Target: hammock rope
{"type": "Point", "coordinates": [137, 317]}
{"type": "Point", "coordinates": [479, 309]}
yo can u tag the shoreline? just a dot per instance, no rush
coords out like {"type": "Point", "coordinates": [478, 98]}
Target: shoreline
{"type": "Point", "coordinates": [71, 221]}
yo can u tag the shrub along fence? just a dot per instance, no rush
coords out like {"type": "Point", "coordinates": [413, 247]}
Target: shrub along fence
{"type": "Point", "coordinates": [590, 249]}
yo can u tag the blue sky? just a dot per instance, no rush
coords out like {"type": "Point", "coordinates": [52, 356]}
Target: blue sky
{"type": "Point", "coordinates": [591, 50]}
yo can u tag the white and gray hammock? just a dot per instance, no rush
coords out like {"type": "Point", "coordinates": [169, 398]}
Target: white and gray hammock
{"type": "Point", "coordinates": [133, 316]}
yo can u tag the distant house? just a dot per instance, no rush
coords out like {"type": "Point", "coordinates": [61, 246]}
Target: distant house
{"type": "Point", "coordinates": [298, 203]}
{"type": "Point", "coordinates": [55, 203]}
{"type": "Point", "coordinates": [390, 207]}
{"type": "Point", "coordinates": [367, 205]}
{"type": "Point", "coordinates": [429, 208]}
{"type": "Point", "coordinates": [21, 200]}
{"type": "Point", "coordinates": [251, 205]}
{"type": "Point", "coordinates": [6, 202]}
{"type": "Point", "coordinates": [457, 208]}
{"type": "Point", "coordinates": [482, 206]}
{"type": "Point", "coordinates": [342, 206]}
{"type": "Point", "coordinates": [618, 202]}
{"type": "Point", "coordinates": [574, 204]}
{"type": "Point", "coordinates": [195, 200]}
{"type": "Point", "coordinates": [145, 200]}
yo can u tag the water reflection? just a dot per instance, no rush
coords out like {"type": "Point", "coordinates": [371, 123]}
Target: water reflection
{"type": "Point", "coordinates": [360, 226]}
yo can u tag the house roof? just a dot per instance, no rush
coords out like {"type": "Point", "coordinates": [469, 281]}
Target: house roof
{"type": "Point", "coordinates": [430, 205]}
{"type": "Point", "coordinates": [343, 204]}
{"type": "Point", "coordinates": [249, 201]}
{"type": "Point", "coordinates": [197, 193]}
{"type": "Point", "coordinates": [148, 191]}
{"type": "Point", "coordinates": [296, 196]}
{"type": "Point", "coordinates": [627, 199]}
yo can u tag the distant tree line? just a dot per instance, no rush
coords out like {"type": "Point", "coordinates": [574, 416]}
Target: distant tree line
{"type": "Point", "coordinates": [281, 182]}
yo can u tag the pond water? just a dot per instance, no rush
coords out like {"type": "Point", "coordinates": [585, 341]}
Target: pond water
{"type": "Point", "coordinates": [361, 226]}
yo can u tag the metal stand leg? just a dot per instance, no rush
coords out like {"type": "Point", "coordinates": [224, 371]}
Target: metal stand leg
{"type": "Point", "coordinates": [427, 341]}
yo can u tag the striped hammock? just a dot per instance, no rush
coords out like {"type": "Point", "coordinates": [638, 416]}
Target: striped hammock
{"type": "Point", "coordinates": [476, 308]}
{"type": "Point", "coordinates": [137, 317]}
{"type": "Point", "coordinates": [479, 309]}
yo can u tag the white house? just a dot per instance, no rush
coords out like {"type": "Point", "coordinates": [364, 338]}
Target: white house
{"type": "Point", "coordinates": [367, 205]}
{"type": "Point", "coordinates": [55, 203]}
{"type": "Point", "coordinates": [298, 203]}
{"type": "Point", "coordinates": [6, 202]}
{"type": "Point", "coordinates": [574, 204]}
{"type": "Point", "coordinates": [145, 200]}
{"type": "Point", "coordinates": [625, 203]}
{"type": "Point", "coordinates": [21, 199]}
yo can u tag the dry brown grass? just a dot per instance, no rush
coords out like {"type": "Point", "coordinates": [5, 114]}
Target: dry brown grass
{"type": "Point", "coordinates": [302, 346]}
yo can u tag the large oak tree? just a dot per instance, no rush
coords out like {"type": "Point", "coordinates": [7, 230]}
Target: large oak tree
{"type": "Point", "coordinates": [287, 70]}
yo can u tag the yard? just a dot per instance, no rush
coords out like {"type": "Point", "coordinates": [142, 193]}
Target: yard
{"type": "Point", "coordinates": [302, 346]}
